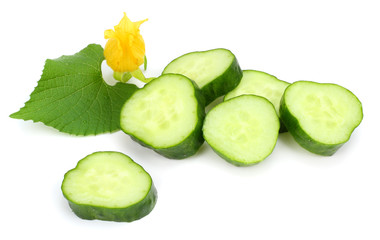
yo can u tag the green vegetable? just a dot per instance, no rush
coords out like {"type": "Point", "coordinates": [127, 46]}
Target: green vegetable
{"type": "Point", "coordinates": [261, 84]}
{"type": "Point", "coordinates": [109, 186]}
{"type": "Point", "coordinates": [215, 71]}
{"type": "Point", "coordinates": [166, 115]}
{"type": "Point", "coordinates": [242, 130]}
{"type": "Point", "coordinates": [72, 96]}
{"type": "Point", "coordinates": [320, 116]}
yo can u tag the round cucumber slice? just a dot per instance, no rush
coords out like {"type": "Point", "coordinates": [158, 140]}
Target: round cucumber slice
{"type": "Point", "coordinates": [320, 116]}
{"type": "Point", "coordinates": [166, 115]}
{"type": "Point", "coordinates": [215, 71]}
{"type": "Point", "coordinates": [261, 84]}
{"type": "Point", "coordinates": [109, 186]}
{"type": "Point", "coordinates": [242, 130]}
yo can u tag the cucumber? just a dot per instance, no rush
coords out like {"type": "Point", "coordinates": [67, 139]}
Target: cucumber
{"type": "Point", "coordinates": [166, 115]}
{"type": "Point", "coordinates": [216, 71]}
{"type": "Point", "coordinates": [261, 84]}
{"type": "Point", "coordinates": [320, 116]}
{"type": "Point", "coordinates": [109, 186]}
{"type": "Point", "coordinates": [242, 130]}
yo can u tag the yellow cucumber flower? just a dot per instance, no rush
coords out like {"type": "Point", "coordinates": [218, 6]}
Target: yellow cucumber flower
{"type": "Point", "coordinates": [125, 48]}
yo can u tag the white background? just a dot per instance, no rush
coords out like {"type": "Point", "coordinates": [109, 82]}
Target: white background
{"type": "Point", "coordinates": [292, 194]}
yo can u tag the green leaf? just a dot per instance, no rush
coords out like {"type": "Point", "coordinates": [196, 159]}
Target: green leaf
{"type": "Point", "coordinates": [72, 96]}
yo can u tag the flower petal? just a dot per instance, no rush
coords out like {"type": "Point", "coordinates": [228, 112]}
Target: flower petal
{"type": "Point", "coordinates": [109, 34]}
{"type": "Point", "coordinates": [125, 49]}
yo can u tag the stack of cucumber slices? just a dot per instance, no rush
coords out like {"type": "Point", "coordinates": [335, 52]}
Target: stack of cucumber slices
{"type": "Point", "coordinates": [168, 116]}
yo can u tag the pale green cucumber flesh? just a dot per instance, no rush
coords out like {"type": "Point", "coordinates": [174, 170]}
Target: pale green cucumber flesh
{"type": "Point", "coordinates": [166, 115]}
{"type": "Point", "coordinates": [261, 84]}
{"type": "Point", "coordinates": [215, 71]}
{"type": "Point", "coordinates": [320, 116]}
{"type": "Point", "coordinates": [242, 130]}
{"type": "Point", "coordinates": [109, 186]}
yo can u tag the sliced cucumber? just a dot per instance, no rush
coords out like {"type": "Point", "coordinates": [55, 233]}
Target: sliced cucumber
{"type": "Point", "coordinates": [242, 130]}
{"type": "Point", "coordinates": [216, 71]}
{"type": "Point", "coordinates": [261, 84]}
{"type": "Point", "coordinates": [109, 186]}
{"type": "Point", "coordinates": [320, 116]}
{"type": "Point", "coordinates": [166, 115]}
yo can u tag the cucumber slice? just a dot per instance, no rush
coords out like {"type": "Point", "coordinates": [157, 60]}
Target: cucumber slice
{"type": "Point", "coordinates": [320, 116]}
{"type": "Point", "coordinates": [166, 115]}
{"type": "Point", "coordinates": [242, 130]}
{"type": "Point", "coordinates": [261, 84]}
{"type": "Point", "coordinates": [216, 71]}
{"type": "Point", "coordinates": [109, 186]}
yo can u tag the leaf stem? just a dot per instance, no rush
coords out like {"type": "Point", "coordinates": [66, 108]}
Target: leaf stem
{"type": "Point", "coordinates": [140, 76]}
